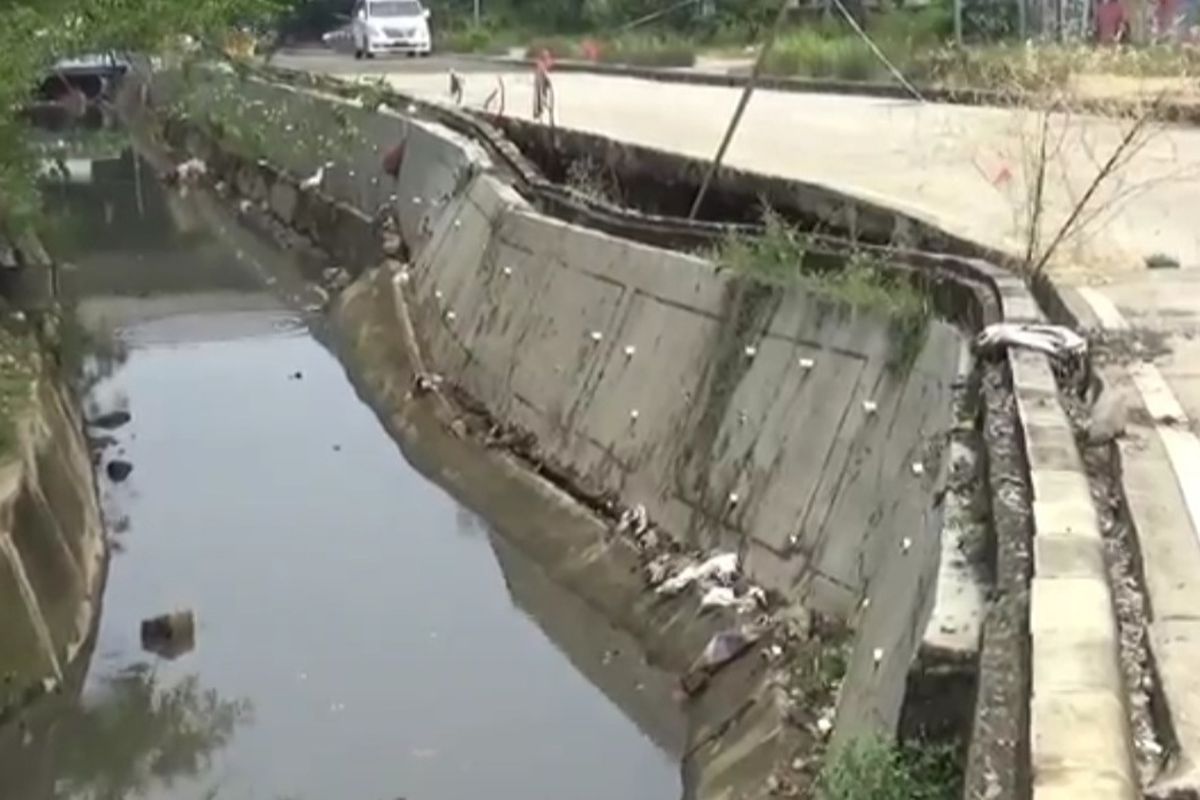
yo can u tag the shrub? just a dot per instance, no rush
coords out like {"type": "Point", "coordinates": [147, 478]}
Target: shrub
{"type": "Point", "coordinates": [807, 52]}
{"type": "Point", "coordinates": [872, 769]}
{"type": "Point", "coordinates": [649, 50]}
{"type": "Point", "coordinates": [556, 46]}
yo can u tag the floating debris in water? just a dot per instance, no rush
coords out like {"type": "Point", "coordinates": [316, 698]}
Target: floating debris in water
{"type": "Point", "coordinates": [877, 656]}
{"type": "Point", "coordinates": [751, 351]}
{"type": "Point", "coordinates": [633, 415]}
{"type": "Point", "coordinates": [722, 567]}
{"type": "Point", "coordinates": [507, 272]}
{"type": "Point", "coordinates": [807, 363]}
{"type": "Point", "coordinates": [169, 635]}
{"type": "Point", "coordinates": [869, 406]}
{"type": "Point", "coordinates": [905, 544]}
{"type": "Point", "coordinates": [918, 468]}
{"type": "Point", "coordinates": [450, 316]}
{"type": "Point", "coordinates": [597, 336]}
{"type": "Point", "coordinates": [630, 350]}
{"type": "Point", "coordinates": [633, 520]}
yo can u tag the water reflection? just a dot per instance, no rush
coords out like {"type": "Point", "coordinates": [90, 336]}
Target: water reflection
{"type": "Point", "coordinates": [137, 736]}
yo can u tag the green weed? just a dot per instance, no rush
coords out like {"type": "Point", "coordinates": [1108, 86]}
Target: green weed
{"type": "Point", "coordinates": [873, 769]}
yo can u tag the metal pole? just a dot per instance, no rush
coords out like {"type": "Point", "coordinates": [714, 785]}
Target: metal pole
{"type": "Point", "coordinates": [741, 107]}
{"type": "Point", "coordinates": [476, 13]}
{"type": "Point", "coordinates": [958, 21]}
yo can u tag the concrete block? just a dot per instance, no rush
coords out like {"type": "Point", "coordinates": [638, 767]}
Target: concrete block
{"type": "Point", "coordinates": [1020, 307]}
{"type": "Point", "coordinates": [1050, 446]}
{"type": "Point", "coordinates": [1176, 648]}
{"type": "Point", "coordinates": [1062, 666]}
{"type": "Point", "coordinates": [1066, 515]}
{"type": "Point", "coordinates": [1031, 371]}
{"type": "Point", "coordinates": [1075, 784]}
{"type": "Point", "coordinates": [1081, 741]}
{"type": "Point", "coordinates": [1060, 484]}
{"type": "Point", "coordinates": [1065, 556]}
{"type": "Point", "coordinates": [1075, 610]}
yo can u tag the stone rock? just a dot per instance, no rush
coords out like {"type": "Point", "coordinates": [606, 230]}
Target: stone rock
{"type": "Point", "coordinates": [118, 470]}
{"type": "Point", "coordinates": [169, 635]}
{"type": "Point", "coordinates": [112, 420]}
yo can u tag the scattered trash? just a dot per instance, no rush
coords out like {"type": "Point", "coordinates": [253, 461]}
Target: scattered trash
{"type": "Point", "coordinates": [335, 278]}
{"type": "Point", "coordinates": [721, 649]}
{"type": "Point", "coordinates": [633, 520]}
{"type": "Point", "coordinates": [722, 567]}
{"type": "Point", "coordinates": [734, 499]}
{"type": "Point", "coordinates": [118, 470]}
{"type": "Point", "coordinates": [807, 363]}
{"type": "Point", "coordinates": [905, 544]}
{"type": "Point", "coordinates": [1161, 261]}
{"type": "Point", "coordinates": [245, 206]}
{"type": "Point", "coordinates": [630, 350]}
{"type": "Point", "coordinates": [111, 421]}
{"type": "Point", "coordinates": [189, 171]}
{"type": "Point", "coordinates": [315, 180]}
{"type": "Point", "coordinates": [169, 635]}
{"type": "Point", "coordinates": [870, 406]}
{"type": "Point", "coordinates": [507, 272]}
{"type": "Point", "coordinates": [751, 351]}
{"type": "Point", "coordinates": [597, 336]}
{"type": "Point", "coordinates": [877, 656]}
{"type": "Point", "coordinates": [633, 415]}
{"type": "Point", "coordinates": [718, 597]}
{"type": "Point", "coordinates": [824, 724]}
{"type": "Point", "coordinates": [918, 468]}
{"type": "Point", "coordinates": [426, 383]}
{"type": "Point", "coordinates": [1054, 340]}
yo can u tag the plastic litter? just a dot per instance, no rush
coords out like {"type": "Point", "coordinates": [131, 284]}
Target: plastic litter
{"type": "Point", "coordinates": [718, 597]}
{"type": "Point", "coordinates": [723, 567]}
{"type": "Point", "coordinates": [1054, 340]}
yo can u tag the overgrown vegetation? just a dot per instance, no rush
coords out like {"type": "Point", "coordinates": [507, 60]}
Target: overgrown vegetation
{"type": "Point", "coordinates": [782, 256]}
{"type": "Point", "coordinates": [18, 371]}
{"type": "Point", "coordinates": [874, 769]}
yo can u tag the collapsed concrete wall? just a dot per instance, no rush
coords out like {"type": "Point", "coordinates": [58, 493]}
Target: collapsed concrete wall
{"type": "Point", "coordinates": [801, 431]}
{"type": "Point", "coordinates": [52, 551]}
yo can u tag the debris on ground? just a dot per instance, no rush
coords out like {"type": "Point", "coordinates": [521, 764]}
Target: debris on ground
{"type": "Point", "coordinates": [111, 421]}
{"type": "Point", "coordinates": [721, 649]}
{"type": "Point", "coordinates": [722, 567]}
{"type": "Point", "coordinates": [336, 278]}
{"type": "Point", "coordinates": [187, 172]}
{"type": "Point", "coordinates": [315, 180]}
{"type": "Point", "coordinates": [426, 383]}
{"type": "Point", "coordinates": [633, 520]}
{"type": "Point", "coordinates": [1054, 340]}
{"type": "Point", "coordinates": [118, 470]}
{"type": "Point", "coordinates": [752, 599]}
{"type": "Point", "coordinates": [1161, 261]}
{"type": "Point", "coordinates": [169, 635]}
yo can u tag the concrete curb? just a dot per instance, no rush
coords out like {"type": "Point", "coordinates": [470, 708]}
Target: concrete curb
{"type": "Point", "coordinates": [1174, 112]}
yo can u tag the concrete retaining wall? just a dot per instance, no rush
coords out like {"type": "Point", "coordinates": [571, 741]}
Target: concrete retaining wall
{"type": "Point", "coordinates": [52, 551]}
{"type": "Point", "coordinates": [823, 474]}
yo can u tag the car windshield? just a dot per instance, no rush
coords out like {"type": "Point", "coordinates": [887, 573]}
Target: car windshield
{"type": "Point", "coordinates": [395, 8]}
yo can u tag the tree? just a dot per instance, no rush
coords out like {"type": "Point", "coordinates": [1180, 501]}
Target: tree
{"type": "Point", "coordinates": [35, 34]}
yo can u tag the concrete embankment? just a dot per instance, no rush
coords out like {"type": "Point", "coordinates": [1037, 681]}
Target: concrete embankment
{"type": "Point", "coordinates": [52, 550]}
{"type": "Point", "coordinates": [802, 432]}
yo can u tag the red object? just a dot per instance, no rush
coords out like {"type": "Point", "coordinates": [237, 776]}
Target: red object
{"type": "Point", "coordinates": [1111, 21]}
{"type": "Point", "coordinates": [392, 160]}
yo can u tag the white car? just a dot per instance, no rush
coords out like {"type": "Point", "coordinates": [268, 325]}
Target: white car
{"type": "Point", "coordinates": [390, 26]}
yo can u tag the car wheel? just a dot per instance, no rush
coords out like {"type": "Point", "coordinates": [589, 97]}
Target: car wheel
{"type": "Point", "coordinates": [358, 53]}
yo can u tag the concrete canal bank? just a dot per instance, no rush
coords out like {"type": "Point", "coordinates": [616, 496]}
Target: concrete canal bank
{"type": "Point", "coordinates": [807, 433]}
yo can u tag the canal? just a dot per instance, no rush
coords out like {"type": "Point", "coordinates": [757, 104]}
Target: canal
{"type": "Point", "coordinates": [360, 635]}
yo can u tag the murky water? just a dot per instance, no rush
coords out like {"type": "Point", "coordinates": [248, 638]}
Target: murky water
{"type": "Point", "coordinates": [356, 636]}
